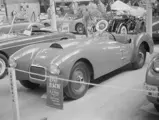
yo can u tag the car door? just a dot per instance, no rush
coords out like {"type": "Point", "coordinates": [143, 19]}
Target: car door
{"type": "Point", "coordinates": [110, 53]}
{"type": "Point", "coordinates": [125, 47]}
{"type": "Point", "coordinates": [126, 50]}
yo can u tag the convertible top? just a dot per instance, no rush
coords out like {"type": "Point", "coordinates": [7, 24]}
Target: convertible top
{"type": "Point", "coordinates": [132, 10]}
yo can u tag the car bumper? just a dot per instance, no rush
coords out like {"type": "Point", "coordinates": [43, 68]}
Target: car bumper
{"type": "Point", "coordinates": [152, 84]}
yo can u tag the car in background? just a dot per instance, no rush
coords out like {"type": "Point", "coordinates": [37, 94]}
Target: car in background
{"type": "Point", "coordinates": [126, 24]}
{"type": "Point", "coordinates": [80, 60]}
{"type": "Point", "coordinates": [129, 18]}
{"type": "Point", "coordinates": [33, 33]}
{"type": "Point", "coordinates": [75, 24]}
{"type": "Point", "coordinates": [18, 26]}
{"type": "Point", "coordinates": [152, 82]}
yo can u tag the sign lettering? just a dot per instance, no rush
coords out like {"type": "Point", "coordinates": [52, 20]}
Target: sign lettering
{"type": "Point", "coordinates": [55, 93]}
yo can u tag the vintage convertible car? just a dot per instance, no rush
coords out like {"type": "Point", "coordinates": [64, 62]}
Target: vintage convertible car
{"type": "Point", "coordinates": [75, 24]}
{"type": "Point", "coordinates": [128, 19]}
{"type": "Point", "coordinates": [16, 27]}
{"type": "Point", "coordinates": [152, 82]}
{"type": "Point", "coordinates": [80, 59]}
{"type": "Point", "coordinates": [35, 33]}
{"type": "Point", "coordinates": [126, 24]}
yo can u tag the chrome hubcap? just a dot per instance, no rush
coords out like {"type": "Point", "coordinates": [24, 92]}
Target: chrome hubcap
{"type": "Point", "coordinates": [123, 30]}
{"type": "Point", "coordinates": [80, 29]}
{"type": "Point", "coordinates": [79, 77]}
{"type": "Point", "coordinates": [2, 66]}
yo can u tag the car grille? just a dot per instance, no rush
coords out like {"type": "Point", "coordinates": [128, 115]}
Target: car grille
{"type": "Point", "coordinates": [40, 71]}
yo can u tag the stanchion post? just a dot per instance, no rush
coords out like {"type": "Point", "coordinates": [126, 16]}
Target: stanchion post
{"type": "Point", "coordinates": [53, 15]}
{"type": "Point", "coordinates": [14, 93]}
{"type": "Point", "coordinates": [149, 17]}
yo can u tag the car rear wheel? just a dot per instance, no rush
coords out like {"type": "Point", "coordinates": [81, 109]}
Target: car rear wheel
{"type": "Point", "coordinates": [80, 28]}
{"type": "Point", "coordinates": [3, 66]}
{"type": "Point", "coordinates": [141, 57]}
{"type": "Point", "coordinates": [28, 84]}
{"type": "Point", "coordinates": [157, 107]}
{"type": "Point", "coordinates": [123, 30]}
{"type": "Point", "coordinates": [79, 73]}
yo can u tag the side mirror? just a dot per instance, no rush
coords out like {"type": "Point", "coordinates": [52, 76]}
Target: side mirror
{"type": "Point", "coordinates": [101, 26]}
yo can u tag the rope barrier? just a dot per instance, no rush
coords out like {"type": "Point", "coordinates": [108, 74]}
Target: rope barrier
{"type": "Point", "coordinates": [91, 84]}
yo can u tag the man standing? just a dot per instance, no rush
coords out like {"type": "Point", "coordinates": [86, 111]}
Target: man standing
{"type": "Point", "coordinates": [86, 19]}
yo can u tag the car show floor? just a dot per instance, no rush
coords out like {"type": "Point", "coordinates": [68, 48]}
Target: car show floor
{"type": "Point", "coordinates": [118, 96]}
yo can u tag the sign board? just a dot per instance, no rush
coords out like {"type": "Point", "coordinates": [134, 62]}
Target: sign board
{"type": "Point", "coordinates": [65, 28]}
{"type": "Point", "coordinates": [13, 86]}
{"type": "Point", "coordinates": [55, 92]}
{"type": "Point", "coordinates": [27, 32]}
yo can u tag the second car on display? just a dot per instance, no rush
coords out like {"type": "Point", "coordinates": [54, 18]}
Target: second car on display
{"type": "Point", "coordinates": [127, 24]}
{"type": "Point", "coordinates": [75, 24]}
{"type": "Point", "coordinates": [152, 82]}
{"type": "Point", "coordinates": [30, 34]}
{"type": "Point", "coordinates": [80, 59]}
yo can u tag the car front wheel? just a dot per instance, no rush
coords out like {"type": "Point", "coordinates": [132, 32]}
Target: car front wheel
{"type": "Point", "coordinates": [28, 84]}
{"type": "Point", "coordinates": [157, 107]}
{"type": "Point", "coordinates": [80, 28]}
{"type": "Point", "coordinates": [141, 57]}
{"type": "Point", "coordinates": [80, 73]}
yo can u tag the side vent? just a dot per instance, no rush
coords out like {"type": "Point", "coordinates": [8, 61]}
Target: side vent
{"type": "Point", "coordinates": [56, 45]}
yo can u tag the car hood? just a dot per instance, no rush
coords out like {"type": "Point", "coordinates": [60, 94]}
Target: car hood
{"type": "Point", "coordinates": [44, 53]}
{"type": "Point", "coordinates": [58, 53]}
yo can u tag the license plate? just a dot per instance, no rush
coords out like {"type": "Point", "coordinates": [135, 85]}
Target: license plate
{"type": "Point", "coordinates": [151, 90]}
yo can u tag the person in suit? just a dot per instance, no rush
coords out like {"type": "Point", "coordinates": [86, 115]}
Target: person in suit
{"type": "Point", "coordinates": [86, 19]}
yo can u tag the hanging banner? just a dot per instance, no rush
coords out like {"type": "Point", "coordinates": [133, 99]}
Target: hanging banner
{"type": "Point", "coordinates": [14, 93]}
{"type": "Point", "coordinates": [55, 92]}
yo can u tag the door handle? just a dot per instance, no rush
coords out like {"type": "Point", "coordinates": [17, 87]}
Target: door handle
{"type": "Point", "coordinates": [129, 40]}
{"type": "Point", "coordinates": [123, 58]}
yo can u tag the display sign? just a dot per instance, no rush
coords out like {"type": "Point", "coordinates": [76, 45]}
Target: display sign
{"type": "Point", "coordinates": [13, 86]}
{"type": "Point", "coordinates": [65, 28]}
{"type": "Point", "coordinates": [55, 92]}
{"type": "Point", "coordinates": [27, 32]}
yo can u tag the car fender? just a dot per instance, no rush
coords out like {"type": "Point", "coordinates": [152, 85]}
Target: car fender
{"type": "Point", "coordinates": [138, 40]}
{"type": "Point", "coordinates": [67, 61]}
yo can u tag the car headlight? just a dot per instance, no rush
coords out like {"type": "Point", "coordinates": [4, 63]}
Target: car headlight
{"type": "Point", "coordinates": [156, 65]}
{"type": "Point", "coordinates": [54, 69]}
{"type": "Point", "coordinates": [12, 63]}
